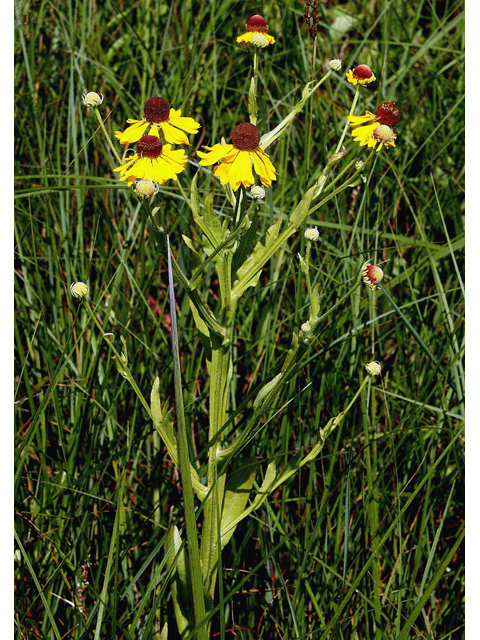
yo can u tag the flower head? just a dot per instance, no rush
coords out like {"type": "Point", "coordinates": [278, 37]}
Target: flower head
{"type": "Point", "coordinates": [373, 368]}
{"type": "Point", "coordinates": [153, 161]}
{"type": "Point", "coordinates": [372, 275]}
{"type": "Point", "coordinates": [158, 116]}
{"type": "Point", "coordinates": [360, 75]}
{"type": "Point", "coordinates": [92, 99]}
{"type": "Point", "coordinates": [376, 127]}
{"type": "Point", "coordinates": [255, 26]}
{"type": "Point", "coordinates": [239, 157]}
{"type": "Point", "coordinates": [79, 290]}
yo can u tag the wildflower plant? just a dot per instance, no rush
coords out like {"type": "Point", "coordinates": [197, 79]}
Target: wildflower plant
{"type": "Point", "coordinates": [226, 495]}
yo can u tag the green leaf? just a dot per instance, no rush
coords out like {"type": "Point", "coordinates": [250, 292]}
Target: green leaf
{"type": "Point", "coordinates": [315, 301]}
{"type": "Point", "coordinates": [249, 273]}
{"type": "Point", "coordinates": [303, 207]}
{"type": "Point", "coordinates": [197, 259]}
{"type": "Point", "coordinates": [262, 495]}
{"type": "Point", "coordinates": [237, 492]}
{"type": "Point", "coordinates": [204, 333]}
{"type": "Point", "coordinates": [266, 390]}
{"type": "Point", "coordinates": [181, 582]}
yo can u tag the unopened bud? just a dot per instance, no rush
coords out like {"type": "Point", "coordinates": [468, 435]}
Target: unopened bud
{"type": "Point", "coordinates": [259, 40]}
{"type": "Point", "coordinates": [79, 290]}
{"type": "Point", "coordinates": [335, 64]}
{"type": "Point", "coordinates": [372, 275]}
{"type": "Point", "coordinates": [146, 188]}
{"type": "Point", "coordinates": [92, 99]}
{"type": "Point", "coordinates": [312, 234]}
{"type": "Point", "coordinates": [383, 133]}
{"type": "Point", "coordinates": [257, 192]}
{"type": "Point", "coordinates": [373, 368]}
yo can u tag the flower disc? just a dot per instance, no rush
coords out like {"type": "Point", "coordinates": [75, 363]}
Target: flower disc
{"type": "Point", "coordinates": [245, 136]}
{"type": "Point", "coordinates": [363, 72]}
{"type": "Point", "coordinates": [149, 147]}
{"type": "Point", "coordinates": [256, 23]}
{"type": "Point", "coordinates": [388, 114]}
{"type": "Point", "coordinates": [156, 110]}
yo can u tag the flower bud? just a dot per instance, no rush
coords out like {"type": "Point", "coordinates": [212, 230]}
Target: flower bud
{"type": "Point", "coordinates": [312, 234]}
{"type": "Point", "coordinates": [79, 290]}
{"type": "Point", "coordinates": [359, 164]}
{"type": "Point", "coordinates": [259, 40]}
{"type": "Point", "coordinates": [372, 275]}
{"type": "Point", "coordinates": [145, 188]}
{"type": "Point", "coordinates": [306, 327]}
{"type": "Point", "coordinates": [257, 192]}
{"type": "Point", "coordinates": [92, 99]}
{"type": "Point", "coordinates": [373, 368]}
{"type": "Point", "coordinates": [383, 133]}
{"type": "Point", "coordinates": [335, 64]}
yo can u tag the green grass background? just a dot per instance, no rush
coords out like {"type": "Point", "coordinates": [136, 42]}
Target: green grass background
{"type": "Point", "coordinates": [367, 541]}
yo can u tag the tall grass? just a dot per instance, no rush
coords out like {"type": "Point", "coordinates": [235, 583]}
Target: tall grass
{"type": "Point", "coordinates": [366, 542]}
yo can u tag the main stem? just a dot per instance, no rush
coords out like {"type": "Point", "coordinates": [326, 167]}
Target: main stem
{"type": "Point", "coordinates": [190, 519]}
{"type": "Point", "coordinates": [220, 374]}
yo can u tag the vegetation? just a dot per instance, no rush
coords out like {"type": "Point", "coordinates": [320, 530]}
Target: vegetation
{"type": "Point", "coordinates": [365, 540]}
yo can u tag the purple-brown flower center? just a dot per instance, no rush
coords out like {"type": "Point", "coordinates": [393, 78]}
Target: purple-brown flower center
{"type": "Point", "coordinates": [149, 147]}
{"type": "Point", "coordinates": [156, 110]}
{"type": "Point", "coordinates": [257, 24]}
{"type": "Point", "coordinates": [387, 113]}
{"type": "Point", "coordinates": [363, 72]}
{"type": "Point", "coordinates": [246, 137]}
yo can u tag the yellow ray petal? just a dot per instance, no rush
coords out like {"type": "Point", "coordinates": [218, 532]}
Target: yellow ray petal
{"type": "Point", "coordinates": [241, 170]}
{"type": "Point", "coordinates": [182, 122]}
{"type": "Point", "coordinates": [132, 133]}
{"type": "Point", "coordinates": [173, 135]}
{"type": "Point", "coordinates": [218, 151]}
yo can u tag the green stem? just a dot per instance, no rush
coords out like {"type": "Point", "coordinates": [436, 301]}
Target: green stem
{"type": "Point", "coordinates": [107, 137]}
{"type": "Point", "coordinates": [352, 109]}
{"type": "Point", "coordinates": [190, 519]}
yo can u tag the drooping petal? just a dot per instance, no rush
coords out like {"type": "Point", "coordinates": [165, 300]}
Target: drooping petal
{"type": "Point", "coordinates": [215, 153]}
{"type": "Point", "coordinates": [356, 120]}
{"type": "Point", "coordinates": [173, 135]}
{"type": "Point", "coordinates": [363, 135]}
{"type": "Point", "coordinates": [241, 169]}
{"type": "Point", "coordinates": [182, 122]}
{"type": "Point", "coordinates": [132, 133]}
{"type": "Point", "coordinates": [263, 166]}
{"type": "Point", "coordinates": [245, 37]}
{"type": "Point", "coordinates": [129, 162]}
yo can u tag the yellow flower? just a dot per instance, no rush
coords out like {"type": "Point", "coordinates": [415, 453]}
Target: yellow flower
{"type": "Point", "coordinates": [256, 25]}
{"type": "Point", "coordinates": [158, 115]}
{"type": "Point", "coordinates": [153, 161]}
{"type": "Point", "coordinates": [377, 127]}
{"type": "Point", "coordinates": [237, 159]}
{"type": "Point", "coordinates": [360, 75]}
